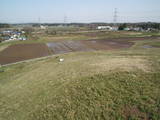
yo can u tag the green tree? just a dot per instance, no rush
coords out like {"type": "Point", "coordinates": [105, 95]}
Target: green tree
{"type": "Point", "coordinates": [121, 27]}
{"type": "Point", "coordinates": [4, 25]}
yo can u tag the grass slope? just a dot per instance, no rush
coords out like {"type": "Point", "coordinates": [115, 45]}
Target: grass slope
{"type": "Point", "coordinates": [94, 85]}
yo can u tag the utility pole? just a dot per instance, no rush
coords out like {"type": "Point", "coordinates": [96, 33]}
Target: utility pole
{"type": "Point", "coordinates": [65, 19]}
{"type": "Point", "coordinates": [115, 17]}
{"type": "Point", "coordinates": [39, 21]}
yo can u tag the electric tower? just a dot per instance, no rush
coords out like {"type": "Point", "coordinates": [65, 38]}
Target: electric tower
{"type": "Point", "coordinates": [115, 17]}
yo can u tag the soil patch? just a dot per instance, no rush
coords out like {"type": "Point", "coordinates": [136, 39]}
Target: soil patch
{"type": "Point", "coordinates": [88, 45]}
{"type": "Point", "coordinates": [21, 52]}
{"type": "Point", "coordinates": [129, 112]}
{"type": "Point", "coordinates": [67, 46]}
{"type": "Point", "coordinates": [110, 44]}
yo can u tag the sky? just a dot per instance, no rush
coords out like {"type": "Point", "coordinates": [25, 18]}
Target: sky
{"type": "Point", "coordinates": [58, 11]}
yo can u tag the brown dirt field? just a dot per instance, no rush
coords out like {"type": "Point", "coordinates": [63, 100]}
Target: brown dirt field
{"type": "Point", "coordinates": [21, 52]}
{"type": "Point", "coordinates": [115, 43]}
{"type": "Point", "coordinates": [91, 45]}
{"type": "Point", "coordinates": [107, 44]}
{"type": "Point", "coordinates": [88, 45]}
{"type": "Point", "coordinates": [67, 46]}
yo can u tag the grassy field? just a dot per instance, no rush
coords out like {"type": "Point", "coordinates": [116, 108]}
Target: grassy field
{"type": "Point", "coordinates": [42, 37]}
{"type": "Point", "coordinates": [103, 85]}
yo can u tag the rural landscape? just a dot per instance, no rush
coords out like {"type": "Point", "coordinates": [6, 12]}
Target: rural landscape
{"type": "Point", "coordinates": [80, 71]}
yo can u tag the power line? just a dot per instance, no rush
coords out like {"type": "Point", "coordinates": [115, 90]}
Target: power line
{"type": "Point", "coordinates": [115, 16]}
{"type": "Point", "coordinates": [65, 19]}
{"type": "Point", "coordinates": [39, 21]}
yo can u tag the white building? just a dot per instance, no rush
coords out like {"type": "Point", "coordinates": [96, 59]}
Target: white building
{"type": "Point", "coordinates": [43, 27]}
{"type": "Point", "coordinates": [104, 28]}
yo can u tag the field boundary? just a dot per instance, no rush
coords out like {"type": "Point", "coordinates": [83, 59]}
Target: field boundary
{"type": "Point", "coordinates": [30, 60]}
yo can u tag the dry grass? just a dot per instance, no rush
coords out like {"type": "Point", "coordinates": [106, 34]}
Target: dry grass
{"type": "Point", "coordinates": [86, 86]}
{"type": "Point", "coordinates": [46, 89]}
{"type": "Point", "coordinates": [3, 47]}
{"type": "Point", "coordinates": [124, 64]}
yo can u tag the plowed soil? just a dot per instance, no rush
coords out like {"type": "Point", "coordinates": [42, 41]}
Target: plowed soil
{"type": "Point", "coordinates": [87, 45]}
{"type": "Point", "coordinates": [21, 52]}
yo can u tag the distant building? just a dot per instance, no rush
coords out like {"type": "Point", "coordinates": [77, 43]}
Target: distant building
{"type": "Point", "coordinates": [11, 35]}
{"type": "Point", "coordinates": [22, 38]}
{"type": "Point", "coordinates": [137, 29]}
{"type": "Point", "coordinates": [114, 28]}
{"type": "Point", "coordinates": [43, 27]}
{"type": "Point", "coordinates": [23, 32]}
{"type": "Point", "coordinates": [151, 29]}
{"type": "Point", "coordinates": [7, 32]}
{"type": "Point", "coordinates": [104, 28]}
{"type": "Point", "coordinates": [127, 29]}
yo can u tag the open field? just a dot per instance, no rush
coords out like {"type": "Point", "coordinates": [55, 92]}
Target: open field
{"type": "Point", "coordinates": [21, 52]}
{"type": "Point", "coordinates": [88, 45]}
{"type": "Point", "coordinates": [119, 81]}
{"type": "Point", "coordinates": [43, 37]}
